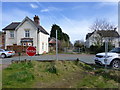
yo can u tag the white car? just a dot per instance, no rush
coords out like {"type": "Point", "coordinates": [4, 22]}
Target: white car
{"type": "Point", "coordinates": [112, 59]}
{"type": "Point", "coordinates": [6, 53]}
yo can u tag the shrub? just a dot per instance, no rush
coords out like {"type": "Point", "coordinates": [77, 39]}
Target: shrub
{"type": "Point", "coordinates": [98, 49]}
{"type": "Point", "coordinates": [76, 62]}
{"type": "Point", "coordinates": [52, 68]}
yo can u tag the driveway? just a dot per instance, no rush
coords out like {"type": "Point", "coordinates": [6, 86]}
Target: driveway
{"type": "Point", "coordinates": [82, 57]}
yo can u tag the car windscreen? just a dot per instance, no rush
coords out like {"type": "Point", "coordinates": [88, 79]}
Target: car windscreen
{"type": "Point", "coordinates": [4, 50]}
{"type": "Point", "coordinates": [115, 50]}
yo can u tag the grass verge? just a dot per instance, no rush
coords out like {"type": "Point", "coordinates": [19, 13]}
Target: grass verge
{"type": "Point", "coordinates": [65, 74]}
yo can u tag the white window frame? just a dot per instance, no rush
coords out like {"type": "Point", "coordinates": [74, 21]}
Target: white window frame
{"type": "Point", "coordinates": [11, 34]}
{"type": "Point", "coordinates": [24, 44]}
{"type": "Point", "coordinates": [27, 33]}
{"type": "Point", "coordinates": [29, 44]}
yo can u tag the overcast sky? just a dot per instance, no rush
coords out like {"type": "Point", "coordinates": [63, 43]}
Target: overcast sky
{"type": "Point", "coordinates": [74, 18]}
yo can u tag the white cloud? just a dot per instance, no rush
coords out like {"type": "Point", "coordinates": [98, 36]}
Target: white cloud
{"type": "Point", "coordinates": [45, 10]}
{"type": "Point", "coordinates": [33, 6]}
{"type": "Point", "coordinates": [50, 9]}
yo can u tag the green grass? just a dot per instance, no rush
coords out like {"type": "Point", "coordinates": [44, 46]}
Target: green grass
{"type": "Point", "coordinates": [36, 74]}
{"type": "Point", "coordinates": [24, 74]}
{"type": "Point", "coordinates": [18, 75]}
{"type": "Point", "coordinates": [0, 79]}
{"type": "Point", "coordinates": [98, 77]}
{"type": "Point", "coordinates": [90, 81]}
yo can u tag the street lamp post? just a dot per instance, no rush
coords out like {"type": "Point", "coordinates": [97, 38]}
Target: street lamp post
{"type": "Point", "coordinates": [56, 46]}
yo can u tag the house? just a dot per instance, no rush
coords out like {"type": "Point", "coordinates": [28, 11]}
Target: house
{"type": "Point", "coordinates": [27, 33]}
{"type": "Point", "coordinates": [98, 37]}
{"type": "Point", "coordinates": [2, 40]}
{"type": "Point", "coordinates": [52, 44]}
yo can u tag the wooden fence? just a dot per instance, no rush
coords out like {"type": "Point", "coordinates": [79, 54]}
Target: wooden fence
{"type": "Point", "coordinates": [17, 48]}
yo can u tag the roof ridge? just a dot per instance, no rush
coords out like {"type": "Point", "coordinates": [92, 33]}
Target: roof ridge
{"type": "Point", "coordinates": [16, 22]}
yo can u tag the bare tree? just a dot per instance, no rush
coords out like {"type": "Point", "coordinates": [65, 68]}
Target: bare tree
{"type": "Point", "coordinates": [101, 24]}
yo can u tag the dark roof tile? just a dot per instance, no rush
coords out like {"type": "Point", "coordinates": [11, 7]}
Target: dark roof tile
{"type": "Point", "coordinates": [105, 33]}
{"type": "Point", "coordinates": [11, 26]}
{"type": "Point", "coordinates": [108, 33]}
{"type": "Point", "coordinates": [88, 35]}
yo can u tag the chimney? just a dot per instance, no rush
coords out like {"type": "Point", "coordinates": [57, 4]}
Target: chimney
{"type": "Point", "coordinates": [36, 20]}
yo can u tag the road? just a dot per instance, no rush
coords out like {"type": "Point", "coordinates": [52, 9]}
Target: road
{"type": "Point", "coordinates": [82, 57]}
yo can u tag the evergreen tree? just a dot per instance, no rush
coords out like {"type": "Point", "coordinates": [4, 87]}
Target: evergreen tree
{"type": "Point", "coordinates": [59, 31]}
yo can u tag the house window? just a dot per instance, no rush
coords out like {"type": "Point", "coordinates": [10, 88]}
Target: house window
{"type": "Point", "coordinates": [27, 33]}
{"type": "Point", "coordinates": [46, 46]}
{"type": "Point", "coordinates": [24, 44]}
{"type": "Point", "coordinates": [29, 44]}
{"type": "Point", "coordinates": [43, 46]}
{"type": "Point", "coordinates": [11, 34]}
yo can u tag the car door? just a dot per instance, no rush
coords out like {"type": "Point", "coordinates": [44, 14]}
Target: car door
{"type": "Point", "coordinates": [118, 52]}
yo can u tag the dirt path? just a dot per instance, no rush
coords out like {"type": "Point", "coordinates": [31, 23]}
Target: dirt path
{"type": "Point", "coordinates": [68, 81]}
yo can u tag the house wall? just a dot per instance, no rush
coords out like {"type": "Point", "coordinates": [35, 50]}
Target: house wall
{"type": "Point", "coordinates": [3, 40]}
{"type": "Point", "coordinates": [21, 32]}
{"type": "Point", "coordinates": [115, 42]}
{"type": "Point", "coordinates": [9, 40]}
{"type": "Point", "coordinates": [93, 40]}
{"type": "Point", "coordinates": [87, 43]}
{"type": "Point", "coordinates": [43, 43]}
{"type": "Point", "coordinates": [38, 39]}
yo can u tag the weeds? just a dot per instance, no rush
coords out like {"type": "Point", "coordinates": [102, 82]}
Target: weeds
{"type": "Point", "coordinates": [25, 65]}
{"type": "Point", "coordinates": [21, 76]}
{"type": "Point", "coordinates": [24, 74]}
{"type": "Point", "coordinates": [52, 69]}
{"type": "Point", "coordinates": [76, 62]}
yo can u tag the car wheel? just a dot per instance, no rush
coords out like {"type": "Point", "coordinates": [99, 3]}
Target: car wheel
{"type": "Point", "coordinates": [3, 55]}
{"type": "Point", "coordinates": [116, 64]}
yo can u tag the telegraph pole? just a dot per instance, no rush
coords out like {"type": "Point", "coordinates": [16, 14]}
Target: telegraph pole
{"type": "Point", "coordinates": [56, 47]}
{"type": "Point", "coordinates": [106, 51]}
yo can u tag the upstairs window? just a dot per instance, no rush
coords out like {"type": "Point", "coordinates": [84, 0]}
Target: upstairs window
{"type": "Point", "coordinates": [11, 34]}
{"type": "Point", "coordinates": [27, 33]}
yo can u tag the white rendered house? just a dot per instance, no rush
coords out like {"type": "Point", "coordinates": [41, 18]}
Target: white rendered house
{"type": "Point", "coordinates": [27, 33]}
{"type": "Point", "coordinates": [98, 37]}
